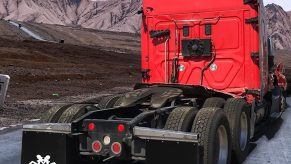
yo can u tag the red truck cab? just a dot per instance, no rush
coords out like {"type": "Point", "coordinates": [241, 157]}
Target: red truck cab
{"type": "Point", "coordinates": [217, 44]}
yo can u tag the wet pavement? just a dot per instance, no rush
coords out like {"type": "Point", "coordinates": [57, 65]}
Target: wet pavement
{"type": "Point", "coordinates": [271, 145]}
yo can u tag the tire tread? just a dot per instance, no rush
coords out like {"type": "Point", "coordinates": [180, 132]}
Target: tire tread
{"type": "Point", "coordinates": [233, 108]}
{"type": "Point", "coordinates": [180, 119]}
{"type": "Point", "coordinates": [54, 113]}
{"type": "Point", "coordinates": [217, 102]}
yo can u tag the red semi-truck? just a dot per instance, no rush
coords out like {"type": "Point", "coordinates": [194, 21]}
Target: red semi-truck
{"type": "Point", "coordinates": [208, 81]}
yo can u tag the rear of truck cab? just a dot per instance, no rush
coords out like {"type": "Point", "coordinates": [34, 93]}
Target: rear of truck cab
{"type": "Point", "coordinates": [225, 30]}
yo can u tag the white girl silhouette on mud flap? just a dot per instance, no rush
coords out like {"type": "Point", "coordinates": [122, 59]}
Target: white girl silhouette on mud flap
{"type": "Point", "coordinates": [40, 160]}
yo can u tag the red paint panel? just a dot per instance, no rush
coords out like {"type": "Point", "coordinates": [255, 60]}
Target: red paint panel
{"type": "Point", "coordinates": [233, 41]}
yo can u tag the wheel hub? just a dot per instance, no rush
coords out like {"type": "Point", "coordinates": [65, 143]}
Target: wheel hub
{"type": "Point", "coordinates": [223, 145]}
{"type": "Point", "coordinates": [243, 131]}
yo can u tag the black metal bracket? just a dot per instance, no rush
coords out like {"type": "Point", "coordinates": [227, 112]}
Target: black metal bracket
{"type": "Point", "coordinates": [145, 73]}
{"type": "Point", "coordinates": [208, 29]}
{"type": "Point", "coordinates": [253, 91]}
{"type": "Point", "coordinates": [159, 33]}
{"type": "Point", "coordinates": [186, 31]}
{"type": "Point", "coordinates": [140, 11]}
{"type": "Point", "coordinates": [249, 1]}
{"type": "Point", "coordinates": [253, 20]}
{"type": "Point", "coordinates": [149, 9]}
{"type": "Point", "coordinates": [255, 55]}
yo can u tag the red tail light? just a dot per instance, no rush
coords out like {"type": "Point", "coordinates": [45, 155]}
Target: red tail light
{"type": "Point", "coordinates": [91, 127]}
{"type": "Point", "coordinates": [116, 148]}
{"type": "Point", "coordinates": [120, 128]}
{"type": "Point", "coordinates": [97, 146]}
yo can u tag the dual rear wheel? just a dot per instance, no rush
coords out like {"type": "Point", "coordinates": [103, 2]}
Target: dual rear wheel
{"type": "Point", "coordinates": [223, 128]}
{"type": "Point", "coordinates": [67, 113]}
{"type": "Point", "coordinates": [212, 127]}
{"type": "Point", "coordinates": [238, 115]}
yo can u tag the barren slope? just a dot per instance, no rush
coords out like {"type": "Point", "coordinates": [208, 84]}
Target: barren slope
{"type": "Point", "coordinates": [38, 70]}
{"type": "Point", "coordinates": [7, 31]}
{"type": "Point", "coordinates": [279, 26]}
{"type": "Point", "coordinates": [44, 73]}
{"type": "Point", "coordinates": [81, 36]}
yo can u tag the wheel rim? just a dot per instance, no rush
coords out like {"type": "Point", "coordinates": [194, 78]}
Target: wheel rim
{"type": "Point", "coordinates": [243, 131]}
{"type": "Point", "coordinates": [283, 105]}
{"type": "Point", "coordinates": [223, 145]}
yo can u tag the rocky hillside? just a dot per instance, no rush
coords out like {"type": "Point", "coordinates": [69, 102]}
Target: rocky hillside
{"type": "Point", "coordinates": [114, 15]}
{"type": "Point", "coordinates": [279, 26]}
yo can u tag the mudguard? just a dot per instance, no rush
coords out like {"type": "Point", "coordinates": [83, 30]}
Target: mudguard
{"type": "Point", "coordinates": [164, 146]}
{"type": "Point", "coordinates": [46, 144]}
{"type": "Point", "coordinates": [169, 152]}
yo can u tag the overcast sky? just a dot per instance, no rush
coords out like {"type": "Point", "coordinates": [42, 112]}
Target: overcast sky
{"type": "Point", "coordinates": [286, 4]}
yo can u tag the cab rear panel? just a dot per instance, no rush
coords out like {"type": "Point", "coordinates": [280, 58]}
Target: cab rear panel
{"type": "Point", "coordinates": [226, 24]}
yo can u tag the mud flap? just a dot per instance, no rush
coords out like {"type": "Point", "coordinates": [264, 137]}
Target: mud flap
{"type": "Point", "coordinates": [171, 152]}
{"type": "Point", "coordinates": [276, 101]}
{"type": "Point", "coordinates": [169, 147]}
{"type": "Point", "coordinates": [49, 147]}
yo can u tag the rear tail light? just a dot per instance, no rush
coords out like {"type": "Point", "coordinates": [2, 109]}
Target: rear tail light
{"type": "Point", "coordinates": [120, 128]}
{"type": "Point", "coordinates": [97, 146]}
{"type": "Point", "coordinates": [91, 127]}
{"type": "Point", "coordinates": [116, 148]}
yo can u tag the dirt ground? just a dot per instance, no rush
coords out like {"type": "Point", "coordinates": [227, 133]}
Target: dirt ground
{"type": "Point", "coordinates": [8, 31]}
{"type": "Point", "coordinates": [83, 36]}
{"type": "Point", "coordinates": [43, 74]}
{"type": "Point", "coordinates": [50, 72]}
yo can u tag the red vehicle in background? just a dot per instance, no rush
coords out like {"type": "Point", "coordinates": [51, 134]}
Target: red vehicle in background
{"type": "Point", "coordinates": [208, 80]}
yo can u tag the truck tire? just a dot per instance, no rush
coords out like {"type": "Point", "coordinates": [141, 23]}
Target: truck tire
{"type": "Point", "coordinates": [94, 100]}
{"type": "Point", "coordinates": [181, 119]}
{"type": "Point", "coordinates": [217, 102]}
{"type": "Point", "coordinates": [108, 101]}
{"type": "Point", "coordinates": [75, 111]}
{"type": "Point", "coordinates": [118, 102]}
{"type": "Point", "coordinates": [238, 115]}
{"type": "Point", "coordinates": [212, 127]}
{"type": "Point", "coordinates": [54, 113]}
{"type": "Point", "coordinates": [283, 104]}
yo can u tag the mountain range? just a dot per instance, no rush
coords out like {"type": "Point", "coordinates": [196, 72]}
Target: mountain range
{"type": "Point", "coordinates": [113, 15]}
{"type": "Point", "coordinates": [116, 15]}
{"type": "Point", "coordinates": [279, 26]}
